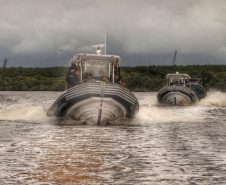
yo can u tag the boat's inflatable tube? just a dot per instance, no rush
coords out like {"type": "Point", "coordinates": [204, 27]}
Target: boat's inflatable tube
{"type": "Point", "coordinates": [98, 102]}
{"type": "Point", "coordinates": [198, 90]}
{"type": "Point", "coordinates": [176, 95]}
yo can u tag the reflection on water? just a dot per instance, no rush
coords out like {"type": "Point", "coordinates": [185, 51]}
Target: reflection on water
{"type": "Point", "coordinates": [163, 145]}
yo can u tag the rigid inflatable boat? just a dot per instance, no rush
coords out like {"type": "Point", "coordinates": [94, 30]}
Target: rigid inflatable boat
{"type": "Point", "coordinates": [96, 101]}
{"type": "Point", "coordinates": [181, 89]}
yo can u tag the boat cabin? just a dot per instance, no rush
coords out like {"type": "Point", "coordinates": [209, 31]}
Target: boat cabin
{"type": "Point", "coordinates": [98, 67]}
{"type": "Point", "coordinates": [178, 79]}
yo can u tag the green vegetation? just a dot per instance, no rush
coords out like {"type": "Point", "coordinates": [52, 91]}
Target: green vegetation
{"type": "Point", "coordinates": [33, 79]}
{"type": "Point", "coordinates": [140, 78]}
{"type": "Point", "coordinates": [152, 78]}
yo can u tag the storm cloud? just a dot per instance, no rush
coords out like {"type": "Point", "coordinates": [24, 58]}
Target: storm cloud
{"type": "Point", "coordinates": [144, 32]}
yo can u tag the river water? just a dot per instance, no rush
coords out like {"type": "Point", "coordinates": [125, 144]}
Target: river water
{"type": "Point", "coordinates": [163, 145]}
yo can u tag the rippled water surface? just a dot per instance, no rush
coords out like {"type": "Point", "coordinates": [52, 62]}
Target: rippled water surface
{"type": "Point", "coordinates": [162, 145]}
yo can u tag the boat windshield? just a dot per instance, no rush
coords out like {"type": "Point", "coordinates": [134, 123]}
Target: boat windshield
{"type": "Point", "coordinates": [97, 69]}
{"type": "Point", "coordinates": [176, 81]}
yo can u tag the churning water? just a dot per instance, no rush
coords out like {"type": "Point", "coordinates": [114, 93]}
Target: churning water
{"type": "Point", "coordinates": [165, 145]}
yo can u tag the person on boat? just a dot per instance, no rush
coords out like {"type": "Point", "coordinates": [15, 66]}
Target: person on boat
{"type": "Point", "coordinates": [89, 78]}
{"type": "Point", "coordinates": [176, 83]}
{"type": "Point", "coordinates": [105, 78]}
{"type": "Point", "coordinates": [100, 76]}
{"type": "Point", "coordinates": [72, 76]}
{"type": "Point", "coordinates": [118, 79]}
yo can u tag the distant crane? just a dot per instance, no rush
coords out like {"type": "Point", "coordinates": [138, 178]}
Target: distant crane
{"type": "Point", "coordinates": [4, 64]}
{"type": "Point", "coordinates": [174, 59]}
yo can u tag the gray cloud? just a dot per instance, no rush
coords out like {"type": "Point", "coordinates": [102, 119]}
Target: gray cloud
{"type": "Point", "coordinates": [32, 32]}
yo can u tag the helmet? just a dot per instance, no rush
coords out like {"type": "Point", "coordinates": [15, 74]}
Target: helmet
{"type": "Point", "coordinates": [89, 73]}
{"type": "Point", "coordinates": [73, 66]}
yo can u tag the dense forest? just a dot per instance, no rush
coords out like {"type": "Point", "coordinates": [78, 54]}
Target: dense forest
{"type": "Point", "coordinates": [140, 78]}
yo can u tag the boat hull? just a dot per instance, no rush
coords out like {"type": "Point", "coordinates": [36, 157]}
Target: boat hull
{"type": "Point", "coordinates": [177, 95]}
{"type": "Point", "coordinates": [97, 103]}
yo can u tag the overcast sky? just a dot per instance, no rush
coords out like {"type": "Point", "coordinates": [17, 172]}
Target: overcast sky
{"type": "Point", "coordinates": [142, 32]}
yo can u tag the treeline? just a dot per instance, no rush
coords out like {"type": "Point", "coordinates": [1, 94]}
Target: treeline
{"type": "Point", "coordinates": [152, 78]}
{"type": "Point", "coordinates": [33, 79]}
{"type": "Point", "coordinates": [140, 78]}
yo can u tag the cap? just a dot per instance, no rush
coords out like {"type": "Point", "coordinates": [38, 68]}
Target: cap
{"type": "Point", "coordinates": [105, 75]}
{"type": "Point", "coordinates": [88, 73]}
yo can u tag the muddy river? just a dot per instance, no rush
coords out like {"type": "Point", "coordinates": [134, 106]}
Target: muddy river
{"type": "Point", "coordinates": [162, 146]}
